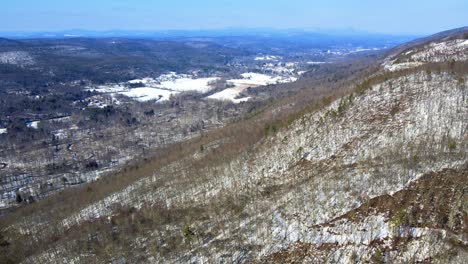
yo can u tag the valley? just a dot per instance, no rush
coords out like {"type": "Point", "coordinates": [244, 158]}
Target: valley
{"type": "Point", "coordinates": [278, 152]}
{"type": "Point", "coordinates": [77, 125]}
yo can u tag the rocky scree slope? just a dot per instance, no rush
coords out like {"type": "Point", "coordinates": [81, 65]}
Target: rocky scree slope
{"type": "Point", "coordinates": [378, 175]}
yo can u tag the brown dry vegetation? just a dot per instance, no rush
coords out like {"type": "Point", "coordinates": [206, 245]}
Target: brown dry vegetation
{"type": "Point", "coordinates": [436, 200]}
{"type": "Point", "coordinates": [236, 138]}
{"type": "Point", "coordinates": [103, 237]}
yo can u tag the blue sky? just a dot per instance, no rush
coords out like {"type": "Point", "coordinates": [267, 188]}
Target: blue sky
{"type": "Point", "coordinates": [384, 16]}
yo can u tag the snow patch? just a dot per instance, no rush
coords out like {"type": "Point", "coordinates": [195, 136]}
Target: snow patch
{"type": "Point", "coordinates": [456, 50]}
{"type": "Point", "coordinates": [109, 89]}
{"type": "Point", "coordinates": [364, 49]}
{"type": "Point", "coordinates": [143, 81]}
{"type": "Point", "coordinates": [229, 94]}
{"type": "Point", "coordinates": [160, 88]}
{"type": "Point", "coordinates": [19, 58]}
{"type": "Point", "coordinates": [166, 85]}
{"type": "Point", "coordinates": [267, 58]}
{"type": "Point", "coordinates": [178, 82]}
{"type": "Point", "coordinates": [258, 79]}
{"type": "Point", "coordinates": [33, 124]}
{"type": "Point", "coordinates": [249, 80]}
{"type": "Point", "coordinates": [148, 93]}
{"type": "Point", "coordinates": [201, 85]}
{"type": "Point", "coordinates": [402, 66]}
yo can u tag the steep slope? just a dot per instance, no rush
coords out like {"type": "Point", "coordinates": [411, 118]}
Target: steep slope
{"type": "Point", "coordinates": [449, 46]}
{"type": "Point", "coordinates": [377, 175]}
{"type": "Point", "coordinates": [424, 222]}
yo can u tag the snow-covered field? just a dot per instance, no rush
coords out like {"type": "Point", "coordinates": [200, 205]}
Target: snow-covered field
{"type": "Point", "coordinates": [160, 88]}
{"type": "Point", "coordinates": [436, 52]}
{"type": "Point", "coordinates": [230, 94]}
{"type": "Point", "coordinates": [268, 58]}
{"type": "Point", "coordinates": [178, 82]}
{"type": "Point", "coordinates": [144, 94]}
{"type": "Point", "coordinates": [249, 79]}
{"type": "Point", "coordinates": [258, 79]}
{"type": "Point", "coordinates": [201, 85]}
{"type": "Point", "coordinates": [166, 85]}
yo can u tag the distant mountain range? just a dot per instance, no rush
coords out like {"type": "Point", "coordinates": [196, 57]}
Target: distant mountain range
{"type": "Point", "coordinates": [266, 32]}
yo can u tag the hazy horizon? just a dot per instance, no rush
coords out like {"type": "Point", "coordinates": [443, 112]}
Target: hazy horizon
{"type": "Point", "coordinates": [397, 17]}
{"type": "Point", "coordinates": [211, 31]}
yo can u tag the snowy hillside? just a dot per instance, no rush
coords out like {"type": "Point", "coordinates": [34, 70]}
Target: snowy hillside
{"type": "Point", "coordinates": [445, 51]}
{"type": "Point", "coordinates": [373, 170]}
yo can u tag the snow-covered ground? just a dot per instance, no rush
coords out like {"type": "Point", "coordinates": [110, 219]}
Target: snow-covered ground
{"type": "Point", "coordinates": [61, 119]}
{"type": "Point", "coordinates": [33, 124]}
{"type": "Point", "coordinates": [178, 82]}
{"type": "Point", "coordinates": [166, 85]}
{"type": "Point", "coordinates": [267, 58]}
{"type": "Point", "coordinates": [60, 134]}
{"type": "Point", "coordinates": [401, 66]}
{"type": "Point", "coordinates": [252, 79]}
{"type": "Point", "coordinates": [230, 94]}
{"type": "Point", "coordinates": [249, 79]}
{"type": "Point", "coordinates": [19, 58]}
{"type": "Point", "coordinates": [102, 102]}
{"type": "Point", "coordinates": [3, 131]}
{"type": "Point", "coordinates": [201, 85]}
{"type": "Point", "coordinates": [288, 68]}
{"type": "Point", "coordinates": [144, 94]}
{"type": "Point", "coordinates": [110, 89]}
{"type": "Point", "coordinates": [160, 88]}
{"type": "Point", "coordinates": [335, 52]}
{"type": "Point", "coordinates": [315, 62]}
{"type": "Point", "coordinates": [143, 81]}
{"type": "Point", "coordinates": [455, 50]}
{"type": "Point", "coordinates": [365, 49]}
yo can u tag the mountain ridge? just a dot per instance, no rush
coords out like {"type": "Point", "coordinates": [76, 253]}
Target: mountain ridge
{"type": "Point", "coordinates": [317, 188]}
